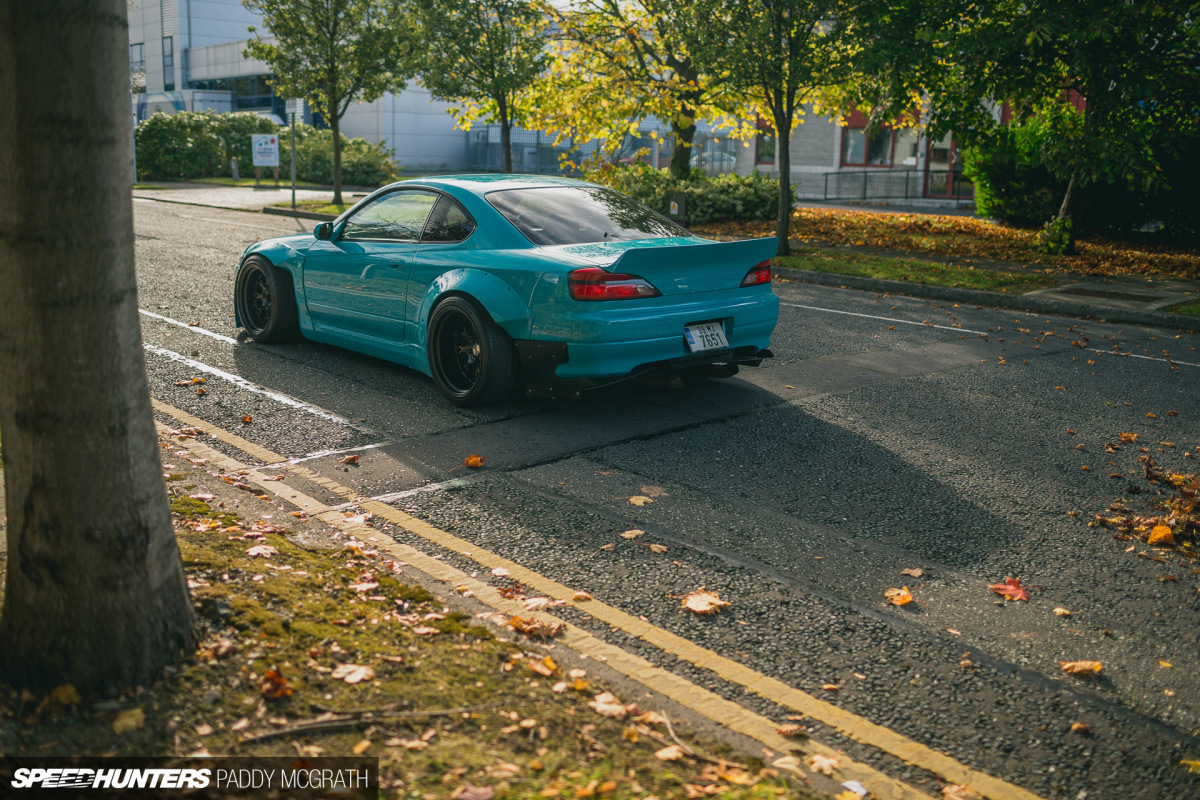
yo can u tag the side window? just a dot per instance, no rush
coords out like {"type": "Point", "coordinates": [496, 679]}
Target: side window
{"type": "Point", "coordinates": [448, 223]}
{"type": "Point", "coordinates": [398, 216]}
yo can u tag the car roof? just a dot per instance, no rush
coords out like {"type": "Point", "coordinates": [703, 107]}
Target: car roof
{"type": "Point", "coordinates": [492, 182]}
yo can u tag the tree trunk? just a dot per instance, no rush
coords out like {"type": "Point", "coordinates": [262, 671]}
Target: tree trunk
{"type": "Point", "coordinates": [681, 156]}
{"type": "Point", "coordinates": [95, 592]}
{"type": "Point", "coordinates": [1068, 213]}
{"type": "Point", "coordinates": [783, 160]}
{"type": "Point", "coordinates": [335, 123]}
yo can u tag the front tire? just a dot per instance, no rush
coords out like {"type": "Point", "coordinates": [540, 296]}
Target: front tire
{"type": "Point", "coordinates": [265, 300]}
{"type": "Point", "coordinates": [471, 359]}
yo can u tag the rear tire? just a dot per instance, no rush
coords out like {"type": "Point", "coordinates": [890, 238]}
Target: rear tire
{"type": "Point", "coordinates": [471, 359]}
{"type": "Point", "coordinates": [265, 301]}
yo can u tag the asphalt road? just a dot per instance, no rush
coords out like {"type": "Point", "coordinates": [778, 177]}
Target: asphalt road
{"type": "Point", "coordinates": [888, 434]}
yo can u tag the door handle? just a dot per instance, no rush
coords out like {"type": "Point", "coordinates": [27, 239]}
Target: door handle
{"type": "Point", "coordinates": [395, 264]}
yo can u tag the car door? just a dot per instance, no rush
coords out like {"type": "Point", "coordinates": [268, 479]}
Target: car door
{"type": "Point", "coordinates": [447, 230]}
{"type": "Point", "coordinates": [358, 280]}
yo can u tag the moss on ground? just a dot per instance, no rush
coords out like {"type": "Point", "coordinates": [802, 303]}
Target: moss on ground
{"type": "Point", "coordinates": [439, 699]}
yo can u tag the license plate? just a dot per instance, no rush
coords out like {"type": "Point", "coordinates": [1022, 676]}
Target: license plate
{"type": "Point", "coordinates": [705, 336]}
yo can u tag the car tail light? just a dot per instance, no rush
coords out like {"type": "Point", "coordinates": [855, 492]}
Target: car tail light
{"type": "Point", "coordinates": [759, 273]}
{"type": "Point", "coordinates": [593, 283]}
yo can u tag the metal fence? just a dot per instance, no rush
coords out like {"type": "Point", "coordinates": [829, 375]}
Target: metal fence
{"type": "Point", "coordinates": [889, 184]}
{"type": "Point", "coordinates": [534, 152]}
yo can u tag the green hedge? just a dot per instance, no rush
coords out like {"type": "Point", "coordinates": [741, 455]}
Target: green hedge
{"type": "Point", "coordinates": [707, 199]}
{"type": "Point", "coordinates": [363, 163]}
{"type": "Point", "coordinates": [200, 144]}
{"type": "Point", "coordinates": [1011, 183]}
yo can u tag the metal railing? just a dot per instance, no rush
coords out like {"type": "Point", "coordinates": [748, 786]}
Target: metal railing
{"type": "Point", "coordinates": [890, 184]}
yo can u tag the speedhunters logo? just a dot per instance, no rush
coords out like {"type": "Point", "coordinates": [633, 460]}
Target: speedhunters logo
{"type": "Point", "coordinates": [79, 778]}
{"type": "Point", "coordinates": [196, 779]}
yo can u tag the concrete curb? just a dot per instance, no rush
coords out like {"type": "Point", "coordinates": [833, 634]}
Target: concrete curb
{"type": "Point", "coordinates": [287, 212]}
{"type": "Point", "coordinates": [1018, 302]}
{"type": "Point", "coordinates": [186, 203]}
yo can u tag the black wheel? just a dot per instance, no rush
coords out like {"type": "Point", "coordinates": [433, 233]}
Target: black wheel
{"type": "Point", "coordinates": [266, 301]}
{"type": "Point", "coordinates": [471, 359]}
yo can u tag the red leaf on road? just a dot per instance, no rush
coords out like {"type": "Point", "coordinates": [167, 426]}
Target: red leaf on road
{"type": "Point", "coordinates": [1010, 589]}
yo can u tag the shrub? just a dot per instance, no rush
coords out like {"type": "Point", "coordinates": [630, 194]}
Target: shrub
{"type": "Point", "coordinates": [1011, 182]}
{"type": "Point", "coordinates": [200, 144]}
{"type": "Point", "coordinates": [706, 199]}
{"type": "Point", "coordinates": [179, 146]}
{"type": "Point", "coordinates": [363, 163]}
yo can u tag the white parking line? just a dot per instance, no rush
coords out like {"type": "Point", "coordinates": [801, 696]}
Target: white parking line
{"type": "Point", "coordinates": [186, 326]}
{"type": "Point", "coordinates": [455, 483]}
{"type": "Point", "coordinates": [238, 224]}
{"type": "Point", "coordinates": [1146, 358]}
{"type": "Point", "coordinates": [887, 319]}
{"type": "Point", "coordinates": [242, 383]}
{"type": "Point", "coordinates": [327, 453]}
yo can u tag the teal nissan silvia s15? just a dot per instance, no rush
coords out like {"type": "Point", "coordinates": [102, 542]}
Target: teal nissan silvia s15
{"type": "Point", "coordinates": [491, 283]}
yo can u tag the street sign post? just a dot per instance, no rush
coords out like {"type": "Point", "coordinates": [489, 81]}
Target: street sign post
{"type": "Point", "coordinates": [295, 110]}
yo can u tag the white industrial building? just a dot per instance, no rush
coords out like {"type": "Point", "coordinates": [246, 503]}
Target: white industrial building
{"type": "Point", "coordinates": [190, 54]}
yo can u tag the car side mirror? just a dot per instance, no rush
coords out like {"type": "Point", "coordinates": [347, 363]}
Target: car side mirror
{"type": "Point", "coordinates": [324, 231]}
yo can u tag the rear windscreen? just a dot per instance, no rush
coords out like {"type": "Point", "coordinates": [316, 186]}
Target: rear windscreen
{"type": "Point", "coordinates": [580, 215]}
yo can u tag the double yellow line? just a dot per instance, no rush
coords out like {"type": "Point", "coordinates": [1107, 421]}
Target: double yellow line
{"type": "Point", "coordinates": [668, 684]}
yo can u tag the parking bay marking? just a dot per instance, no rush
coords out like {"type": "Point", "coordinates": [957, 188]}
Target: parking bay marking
{"type": "Point", "coordinates": [885, 319]}
{"type": "Point", "coordinates": [194, 328]}
{"type": "Point", "coordinates": [703, 701]}
{"type": "Point", "coordinates": [242, 383]}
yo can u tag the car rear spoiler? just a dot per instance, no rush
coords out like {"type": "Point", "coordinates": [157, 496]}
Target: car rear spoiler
{"type": "Point", "coordinates": [644, 260]}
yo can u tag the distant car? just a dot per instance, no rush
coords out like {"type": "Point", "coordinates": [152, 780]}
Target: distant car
{"type": "Point", "coordinates": [490, 283]}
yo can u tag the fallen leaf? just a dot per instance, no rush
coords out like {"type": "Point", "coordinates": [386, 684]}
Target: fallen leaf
{"type": "Point", "coordinates": [537, 628]}
{"type": "Point", "coordinates": [607, 705]}
{"type": "Point", "coordinates": [830, 687]}
{"type": "Point", "coordinates": [66, 695]}
{"type": "Point", "coordinates": [1079, 727]}
{"type": "Point", "coordinates": [204, 730]}
{"type": "Point", "coordinates": [469, 791]}
{"type": "Point", "coordinates": [546, 667]}
{"type": "Point", "coordinates": [1161, 534]}
{"type": "Point", "coordinates": [425, 630]}
{"type": "Point", "coordinates": [351, 459]}
{"type": "Point", "coordinates": [1193, 766]}
{"type": "Point", "coordinates": [639, 500]}
{"type": "Point", "coordinates": [822, 764]}
{"type": "Point", "coordinates": [1061, 612]}
{"type": "Point", "coordinates": [535, 603]}
{"type": "Point", "coordinates": [632, 534]}
{"type": "Point", "coordinates": [352, 673]}
{"type": "Point", "coordinates": [581, 597]}
{"type": "Point", "coordinates": [671, 752]}
{"type": "Point", "coordinates": [359, 519]}
{"type": "Point", "coordinates": [898, 597]}
{"type": "Point", "coordinates": [274, 686]}
{"type": "Point", "coordinates": [608, 548]}
{"type": "Point", "coordinates": [129, 720]}
{"type": "Point", "coordinates": [1165, 664]}
{"type": "Point", "coordinates": [703, 601]}
{"type": "Point", "coordinates": [500, 572]}
{"type": "Point", "coordinates": [654, 491]}
{"type": "Point", "coordinates": [247, 419]}
{"type": "Point", "coordinates": [1080, 667]}
{"type": "Point", "coordinates": [1010, 589]}
{"type": "Point", "coordinates": [201, 391]}
{"type": "Point", "coordinates": [957, 791]}
{"type": "Point", "coordinates": [363, 587]}
{"type": "Point", "coordinates": [789, 729]}
{"type": "Point", "coordinates": [658, 548]}
{"type": "Point", "coordinates": [913, 572]}
{"type": "Point", "coordinates": [1151, 415]}
{"type": "Point", "coordinates": [474, 461]}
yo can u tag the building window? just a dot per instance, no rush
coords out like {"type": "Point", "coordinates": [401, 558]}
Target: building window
{"type": "Point", "coordinates": [764, 148]}
{"type": "Point", "coordinates": [137, 68]}
{"type": "Point", "coordinates": [861, 150]}
{"type": "Point", "coordinates": [168, 44]}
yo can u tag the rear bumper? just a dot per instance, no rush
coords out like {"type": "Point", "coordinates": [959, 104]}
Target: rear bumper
{"type": "Point", "coordinates": [611, 344]}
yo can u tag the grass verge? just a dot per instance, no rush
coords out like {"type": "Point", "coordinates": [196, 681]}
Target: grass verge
{"type": "Point", "coordinates": [317, 207]}
{"type": "Point", "coordinates": [300, 626]}
{"type": "Point", "coordinates": [913, 270]}
{"type": "Point", "coordinates": [966, 237]}
{"type": "Point", "coordinates": [1191, 309]}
